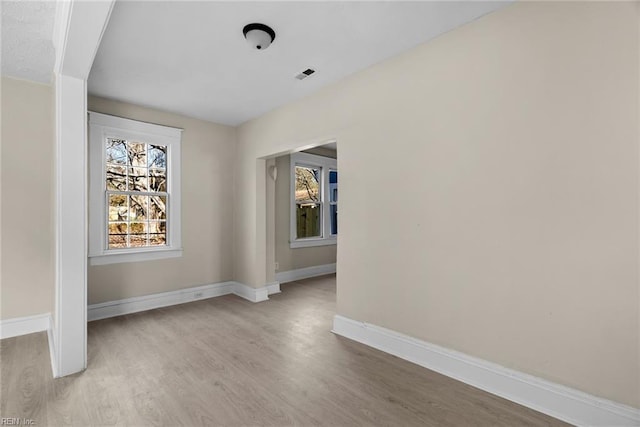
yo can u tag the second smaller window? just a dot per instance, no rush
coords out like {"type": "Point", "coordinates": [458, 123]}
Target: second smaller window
{"type": "Point", "coordinates": [314, 196]}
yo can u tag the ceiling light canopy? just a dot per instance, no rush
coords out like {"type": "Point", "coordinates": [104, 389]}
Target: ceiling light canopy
{"type": "Point", "coordinates": [259, 36]}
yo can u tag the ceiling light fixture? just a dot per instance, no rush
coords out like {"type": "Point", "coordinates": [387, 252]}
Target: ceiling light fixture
{"type": "Point", "coordinates": [259, 36]}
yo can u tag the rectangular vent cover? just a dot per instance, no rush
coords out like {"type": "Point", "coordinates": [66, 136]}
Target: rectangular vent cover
{"type": "Point", "coordinates": [306, 73]}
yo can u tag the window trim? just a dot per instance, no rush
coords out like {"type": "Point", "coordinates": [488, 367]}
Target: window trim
{"type": "Point", "coordinates": [326, 164]}
{"type": "Point", "coordinates": [102, 126]}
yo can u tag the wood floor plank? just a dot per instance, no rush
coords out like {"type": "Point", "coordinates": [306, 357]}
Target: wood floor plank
{"type": "Point", "coordinates": [8, 350]}
{"type": "Point", "coordinates": [23, 359]}
{"type": "Point", "coordinates": [228, 362]}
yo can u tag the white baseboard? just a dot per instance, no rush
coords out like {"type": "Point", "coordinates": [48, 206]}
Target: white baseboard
{"type": "Point", "coordinates": [251, 294]}
{"type": "Point", "coordinates": [165, 299]}
{"type": "Point", "coordinates": [273, 288]}
{"type": "Point", "coordinates": [558, 401]}
{"type": "Point", "coordinates": [25, 325]}
{"type": "Point", "coordinates": [305, 273]}
{"type": "Point", "coordinates": [28, 325]}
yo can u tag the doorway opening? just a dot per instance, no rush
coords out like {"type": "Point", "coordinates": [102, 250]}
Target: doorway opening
{"type": "Point", "coordinates": [302, 213]}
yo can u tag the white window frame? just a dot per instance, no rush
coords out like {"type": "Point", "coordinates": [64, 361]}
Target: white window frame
{"type": "Point", "coordinates": [325, 164]}
{"type": "Point", "coordinates": [101, 127]}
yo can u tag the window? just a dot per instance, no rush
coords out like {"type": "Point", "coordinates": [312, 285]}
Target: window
{"type": "Point", "coordinates": [333, 202]}
{"type": "Point", "coordinates": [314, 200]}
{"type": "Point", "coordinates": [134, 198]}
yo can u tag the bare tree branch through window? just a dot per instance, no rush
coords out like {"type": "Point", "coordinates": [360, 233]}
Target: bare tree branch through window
{"type": "Point", "coordinates": [136, 184]}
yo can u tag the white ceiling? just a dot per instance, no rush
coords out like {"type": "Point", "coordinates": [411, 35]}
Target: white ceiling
{"type": "Point", "coordinates": [27, 34]}
{"type": "Point", "coordinates": [191, 57]}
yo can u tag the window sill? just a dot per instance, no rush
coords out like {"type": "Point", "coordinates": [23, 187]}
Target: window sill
{"type": "Point", "coordinates": [137, 256]}
{"type": "Point", "coordinates": [307, 243]}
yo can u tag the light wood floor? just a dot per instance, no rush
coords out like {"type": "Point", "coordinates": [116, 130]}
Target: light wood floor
{"type": "Point", "coordinates": [228, 362]}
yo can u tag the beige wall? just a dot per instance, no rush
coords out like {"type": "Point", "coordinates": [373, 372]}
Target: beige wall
{"type": "Point", "coordinates": [207, 220]}
{"type": "Point", "coordinates": [505, 224]}
{"type": "Point", "coordinates": [287, 258]}
{"type": "Point", "coordinates": [27, 176]}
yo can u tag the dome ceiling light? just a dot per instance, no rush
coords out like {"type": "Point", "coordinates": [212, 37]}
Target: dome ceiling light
{"type": "Point", "coordinates": [259, 36]}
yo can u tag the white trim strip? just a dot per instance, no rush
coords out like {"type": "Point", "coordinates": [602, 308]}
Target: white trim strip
{"type": "Point", "coordinates": [553, 399]}
{"type": "Point", "coordinates": [51, 336]}
{"type": "Point", "coordinates": [133, 125]}
{"type": "Point", "coordinates": [135, 256]}
{"type": "Point", "coordinates": [313, 242]}
{"type": "Point", "coordinates": [149, 302]}
{"type": "Point", "coordinates": [25, 325]}
{"type": "Point", "coordinates": [305, 273]}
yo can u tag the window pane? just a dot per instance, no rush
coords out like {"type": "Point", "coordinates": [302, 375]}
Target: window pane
{"type": "Point", "coordinates": [157, 156]}
{"type": "Point", "coordinates": [158, 180]}
{"type": "Point", "coordinates": [116, 178]}
{"type": "Point", "coordinates": [308, 220]}
{"type": "Point", "coordinates": [116, 151]}
{"type": "Point", "coordinates": [333, 211]}
{"type": "Point", "coordinates": [137, 154]}
{"type": "Point", "coordinates": [139, 208]}
{"type": "Point", "coordinates": [118, 234]}
{"type": "Point", "coordinates": [137, 240]}
{"type": "Point", "coordinates": [307, 184]}
{"type": "Point", "coordinates": [118, 228]}
{"type": "Point", "coordinates": [118, 207]}
{"type": "Point", "coordinates": [138, 228]}
{"type": "Point", "coordinates": [138, 235]}
{"type": "Point", "coordinates": [157, 233]}
{"type": "Point", "coordinates": [117, 241]}
{"type": "Point", "coordinates": [138, 179]}
{"type": "Point", "coordinates": [333, 186]}
{"type": "Point", "coordinates": [158, 208]}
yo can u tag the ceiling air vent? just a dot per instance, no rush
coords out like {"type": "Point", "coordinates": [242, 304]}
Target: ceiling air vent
{"type": "Point", "coordinates": [306, 73]}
